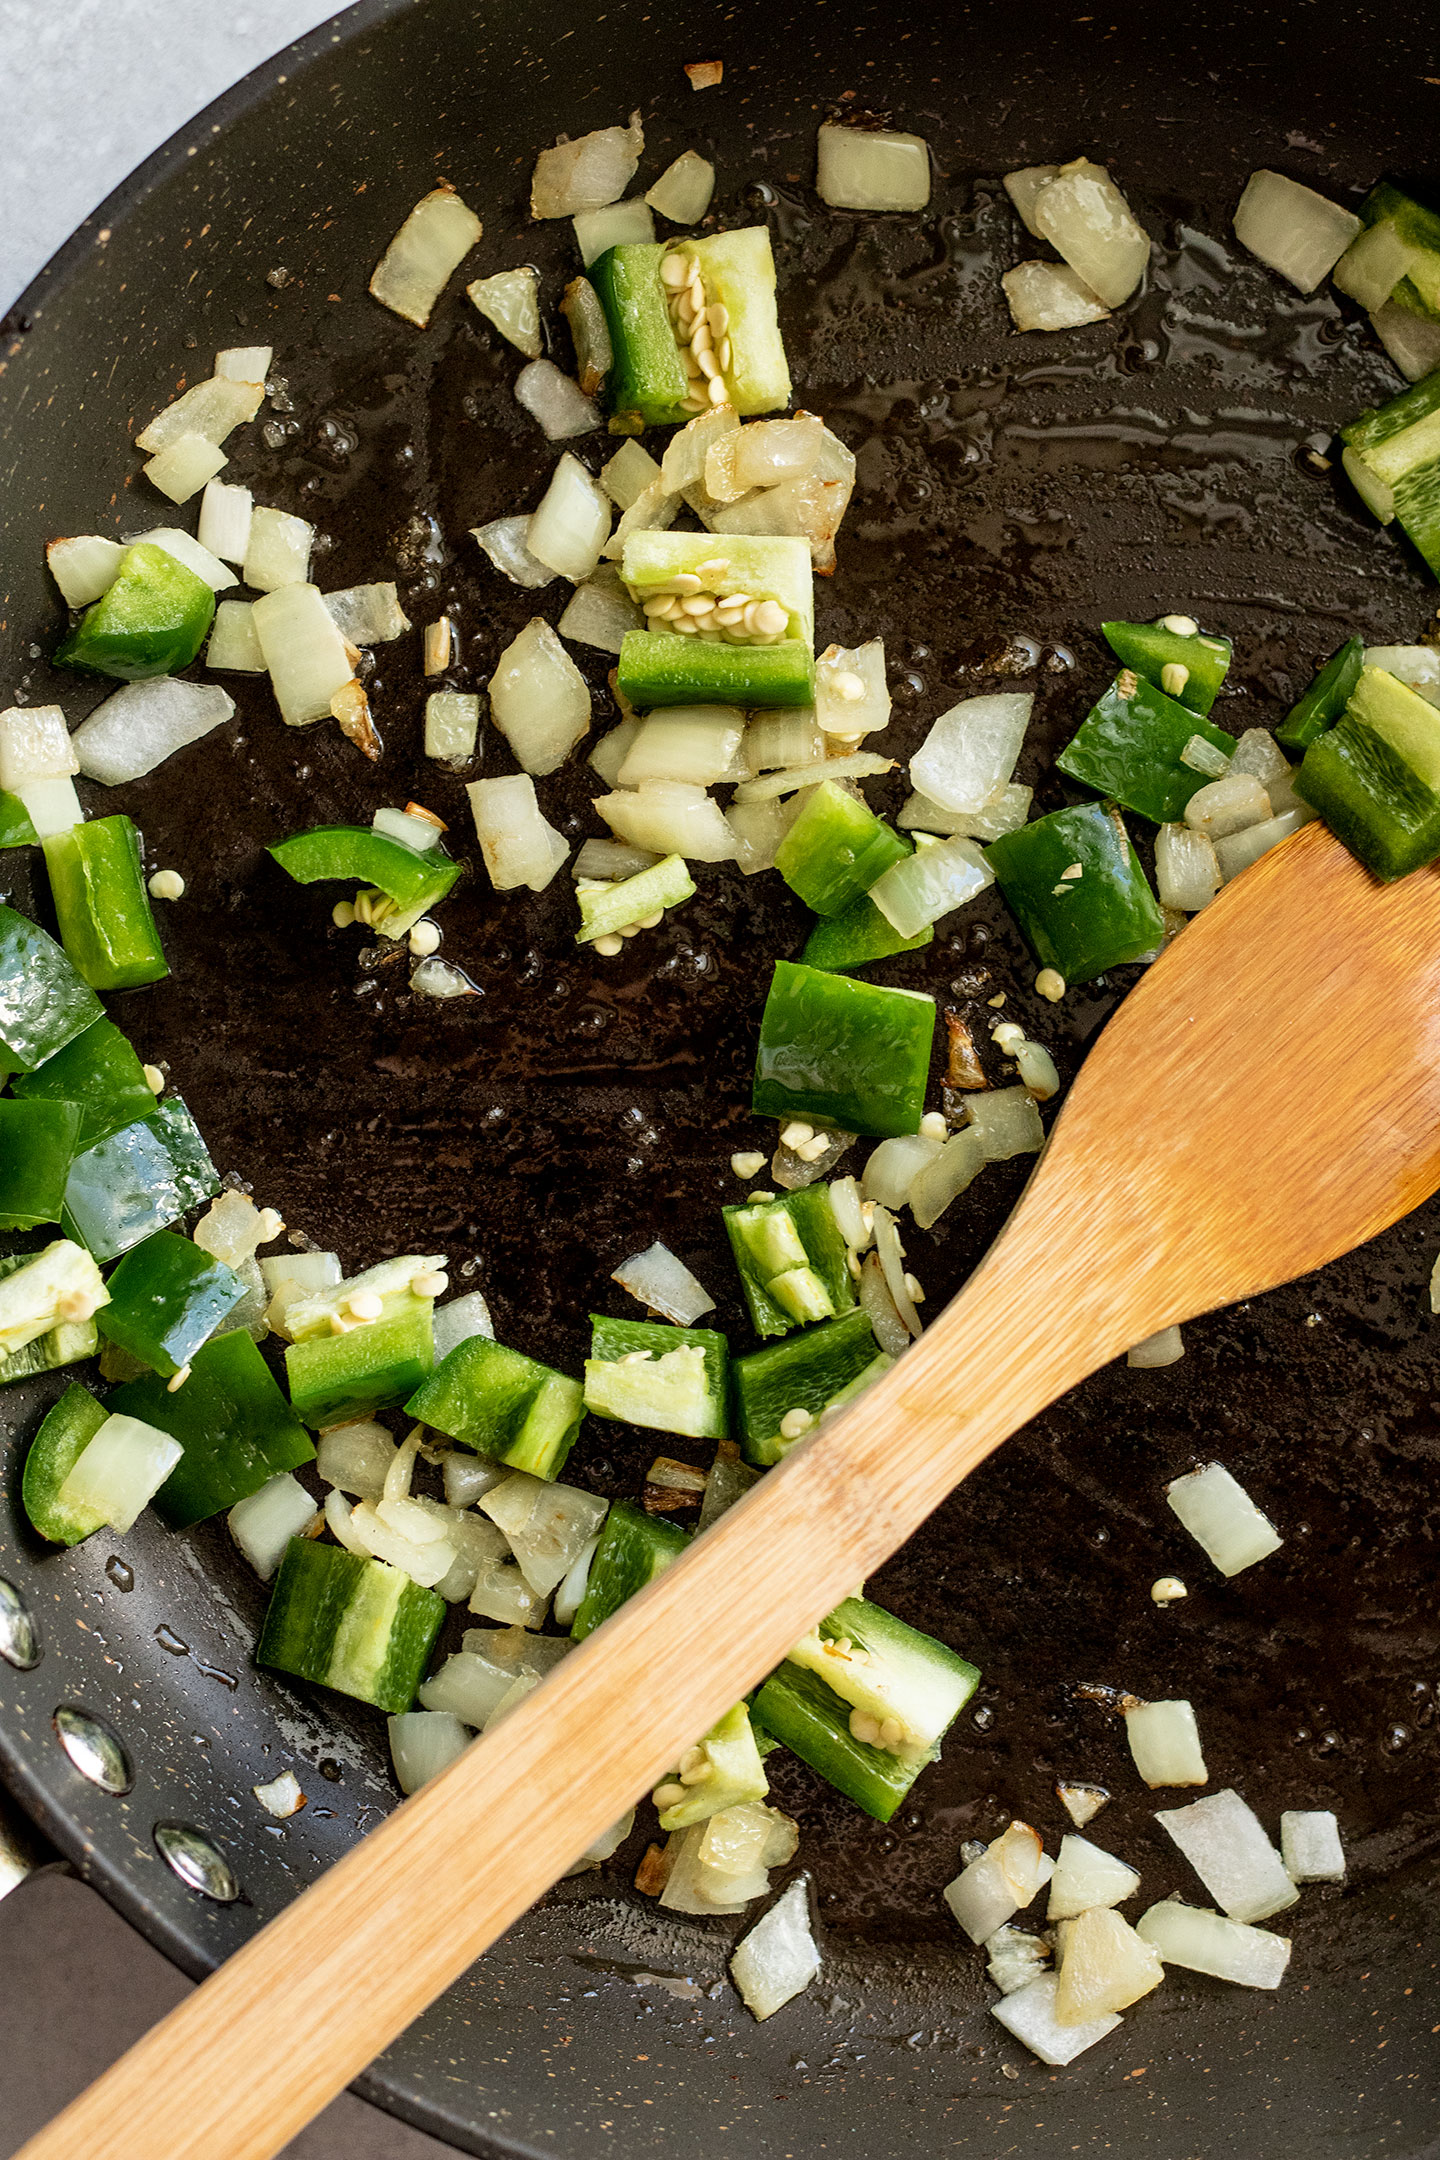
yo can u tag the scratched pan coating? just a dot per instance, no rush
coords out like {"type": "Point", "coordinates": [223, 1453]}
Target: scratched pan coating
{"type": "Point", "coordinates": [1012, 493]}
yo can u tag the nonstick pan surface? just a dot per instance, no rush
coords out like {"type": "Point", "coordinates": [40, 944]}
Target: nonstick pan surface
{"type": "Point", "coordinates": [1012, 493]}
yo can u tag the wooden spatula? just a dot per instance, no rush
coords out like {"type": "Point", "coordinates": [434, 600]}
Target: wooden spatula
{"type": "Point", "coordinates": [1268, 1097]}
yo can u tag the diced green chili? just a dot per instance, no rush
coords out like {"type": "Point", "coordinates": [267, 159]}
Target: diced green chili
{"type": "Point", "coordinates": [16, 826]}
{"type": "Point", "coordinates": [1375, 776]}
{"type": "Point", "coordinates": [140, 1179]}
{"type": "Point", "coordinates": [1076, 888]}
{"type": "Point", "coordinates": [791, 1257]}
{"type": "Point", "coordinates": [99, 1072]}
{"type": "Point", "coordinates": [234, 1424]}
{"type": "Point", "coordinates": [1326, 698]}
{"type": "Point", "coordinates": [167, 1297]}
{"type": "Point", "coordinates": [812, 1372]}
{"type": "Point", "coordinates": [852, 1054]}
{"type": "Point", "coordinates": [634, 1548]}
{"type": "Point", "coordinates": [414, 878]}
{"type": "Point", "coordinates": [64, 1343]}
{"type": "Point", "coordinates": [106, 922]}
{"type": "Point", "coordinates": [1128, 747]}
{"type": "Point", "coordinates": [502, 1404]}
{"type": "Point", "coordinates": [836, 849]}
{"type": "Point", "coordinates": [44, 1001]}
{"type": "Point", "coordinates": [668, 1379]}
{"type": "Point", "coordinates": [612, 908]}
{"type": "Point", "coordinates": [1418, 292]}
{"type": "Point", "coordinates": [37, 1147]}
{"type": "Point", "coordinates": [348, 1623]}
{"type": "Point", "coordinates": [855, 938]}
{"type": "Point", "coordinates": [647, 375]}
{"type": "Point", "coordinates": [374, 1367]}
{"type": "Point", "coordinates": [62, 1439]}
{"type": "Point", "coordinates": [1150, 648]}
{"type": "Point", "coordinates": [151, 621]}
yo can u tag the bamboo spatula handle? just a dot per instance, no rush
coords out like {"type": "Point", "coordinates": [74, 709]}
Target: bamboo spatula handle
{"type": "Point", "coordinates": [270, 2038]}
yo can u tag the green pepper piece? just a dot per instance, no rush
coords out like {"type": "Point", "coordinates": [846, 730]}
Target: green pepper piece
{"type": "Point", "coordinates": [856, 937]}
{"type": "Point", "coordinates": [634, 1548]}
{"type": "Point", "coordinates": [658, 667]}
{"type": "Point", "coordinates": [167, 1297]}
{"type": "Point", "coordinates": [1375, 776]}
{"type": "Point", "coordinates": [106, 922]}
{"type": "Point", "coordinates": [44, 1002]}
{"type": "Point", "coordinates": [1149, 648]}
{"type": "Point", "coordinates": [98, 1072]}
{"type": "Point", "coordinates": [850, 1054]}
{"type": "Point", "coordinates": [836, 849]}
{"type": "Point", "coordinates": [812, 1372]}
{"type": "Point", "coordinates": [1419, 227]}
{"type": "Point", "coordinates": [352, 1624]}
{"type": "Point", "coordinates": [735, 1772]}
{"type": "Point", "coordinates": [231, 1419]}
{"type": "Point", "coordinates": [16, 826]}
{"type": "Point", "coordinates": [612, 908]}
{"type": "Point", "coordinates": [799, 1712]}
{"type": "Point", "coordinates": [1080, 926]}
{"type": "Point", "coordinates": [679, 1384]}
{"type": "Point", "coordinates": [647, 376]}
{"type": "Point", "coordinates": [140, 1179]}
{"type": "Point", "coordinates": [791, 1257]}
{"type": "Point", "coordinates": [1129, 748]}
{"type": "Point", "coordinates": [1326, 698]}
{"type": "Point", "coordinates": [502, 1404]}
{"type": "Point", "coordinates": [737, 269]}
{"type": "Point", "coordinates": [151, 621]}
{"type": "Point", "coordinates": [1392, 455]}
{"type": "Point", "coordinates": [414, 878]}
{"type": "Point", "coordinates": [37, 1147]}
{"type": "Point", "coordinates": [375, 1367]}
{"type": "Point", "coordinates": [62, 1439]}
{"type": "Point", "coordinates": [64, 1344]}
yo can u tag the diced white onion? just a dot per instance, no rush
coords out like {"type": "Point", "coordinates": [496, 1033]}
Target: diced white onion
{"type": "Point", "coordinates": [1292, 229]}
{"type": "Point", "coordinates": [1023, 188]}
{"type": "Point", "coordinates": [1007, 1122]}
{"type": "Point", "coordinates": [1050, 296]}
{"type": "Point", "coordinates": [1104, 1967]}
{"type": "Point", "coordinates": [1205, 1942]}
{"type": "Point", "coordinates": [697, 743]}
{"type": "Point", "coordinates": [1030, 2015]}
{"type": "Point", "coordinates": [993, 1888]}
{"type": "Point", "coordinates": [854, 1225]}
{"type": "Point", "coordinates": [1310, 1844]}
{"type": "Point", "coordinates": [279, 550]}
{"type": "Point", "coordinates": [611, 860]}
{"type": "Point", "coordinates": [1086, 219]}
{"type": "Point", "coordinates": [1165, 1743]}
{"type": "Point", "coordinates": [84, 567]}
{"type": "Point", "coordinates": [244, 363]}
{"type": "Point", "coordinates": [234, 648]}
{"type": "Point", "coordinates": [502, 1593]}
{"type": "Point", "coordinates": [653, 510]}
{"type": "Point", "coordinates": [1225, 1842]}
{"type": "Point", "coordinates": [864, 765]}
{"type": "Point", "coordinates": [683, 464]}
{"type": "Point", "coordinates": [1165, 1347]}
{"type": "Point", "coordinates": [1202, 756]}
{"type": "Point", "coordinates": [931, 883]}
{"type": "Point", "coordinates": [263, 1524]}
{"type": "Point", "coordinates": [1227, 806]}
{"type": "Point", "coordinates": [1412, 343]}
{"type": "Point", "coordinates": [1085, 1876]}
{"type": "Point", "coordinates": [402, 825]}
{"type": "Point", "coordinates": [970, 751]}
{"type": "Point", "coordinates": [547, 1525]}
{"type": "Point", "coordinates": [503, 540]}
{"type": "Point", "coordinates": [476, 1544]}
{"type": "Point", "coordinates": [780, 741]}
{"type": "Point", "coordinates": [871, 169]}
{"type": "Point", "coordinates": [892, 1265]}
{"type": "Point", "coordinates": [778, 1959]}
{"type": "Point", "coordinates": [143, 723]}
{"type": "Point", "coordinates": [467, 1476]}
{"type": "Point", "coordinates": [886, 1324]}
{"type": "Point", "coordinates": [356, 1458]}
{"type": "Point", "coordinates": [587, 173]}
{"type": "Point", "coordinates": [1222, 1518]}
{"type": "Point", "coordinates": [672, 817]}
{"type": "Point", "coordinates": [894, 1166]}
{"type": "Point", "coordinates": [119, 1471]}
{"type": "Point", "coordinates": [665, 1285]}
{"type": "Point", "coordinates": [35, 744]}
{"type": "Point", "coordinates": [683, 191]}
{"type": "Point", "coordinates": [225, 514]}
{"type": "Point", "coordinates": [539, 700]}
{"type": "Point", "coordinates": [452, 724]}
{"type": "Point", "coordinates": [555, 400]}
{"type": "Point", "coordinates": [610, 753]}
{"type": "Point", "coordinates": [184, 466]}
{"type": "Point", "coordinates": [1187, 875]}
{"type": "Point", "coordinates": [621, 224]}
{"type": "Point", "coordinates": [304, 652]}
{"type": "Point", "coordinates": [762, 455]}
{"type": "Point", "coordinates": [423, 1743]}
{"type": "Point", "coordinates": [211, 409]}
{"type": "Point", "coordinates": [600, 611]}
{"type": "Point", "coordinates": [424, 1558]}
{"type": "Point", "coordinates": [572, 522]}
{"type": "Point", "coordinates": [368, 614]}
{"type": "Point", "coordinates": [469, 1686]}
{"type": "Point", "coordinates": [292, 1278]}
{"type": "Point", "coordinates": [626, 476]}
{"type": "Point", "coordinates": [960, 1161]}
{"type": "Point", "coordinates": [759, 829]}
{"type": "Point", "coordinates": [1373, 265]}
{"type": "Point", "coordinates": [1005, 812]}
{"type": "Point", "coordinates": [511, 301]}
{"type": "Point", "coordinates": [419, 262]}
{"type": "Point", "coordinates": [186, 549]}
{"type": "Point", "coordinates": [281, 1797]}
{"type": "Point", "coordinates": [519, 846]}
{"type": "Point", "coordinates": [851, 695]}
{"type": "Point", "coordinates": [436, 978]}
{"type": "Point", "coordinates": [53, 805]}
{"type": "Point", "coordinates": [459, 1321]}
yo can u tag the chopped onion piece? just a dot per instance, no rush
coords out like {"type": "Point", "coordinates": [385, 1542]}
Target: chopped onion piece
{"type": "Point", "coordinates": [627, 475]}
{"type": "Point", "coordinates": [621, 224]}
{"type": "Point", "coordinates": [610, 753]}
{"type": "Point", "coordinates": [1187, 875]}
{"type": "Point", "coordinates": [368, 614]}
{"type": "Point", "coordinates": [960, 1161]}
{"type": "Point", "coordinates": [1086, 219]}
{"type": "Point", "coordinates": [519, 846]}
{"type": "Point", "coordinates": [244, 363]}
{"type": "Point", "coordinates": [1236, 852]}
{"type": "Point", "coordinates": [889, 1329]}
{"type": "Point", "coordinates": [1014, 1958]}
{"type": "Point", "coordinates": [143, 723]}
{"type": "Point", "coordinates": [431, 244]}
{"type": "Point", "coordinates": [994, 1887]}
{"type": "Point", "coordinates": [211, 410]}
{"type": "Point", "coordinates": [1227, 806]}
{"type": "Point", "coordinates": [356, 1458]}
{"type": "Point", "coordinates": [35, 744]}
{"type": "Point", "coordinates": [189, 551]}
{"type": "Point", "coordinates": [471, 1683]}
{"type": "Point", "coordinates": [1023, 188]}
{"type": "Point", "coordinates": [337, 1522]}
{"type": "Point", "coordinates": [653, 510]}
{"type": "Point", "coordinates": [547, 1525]}
{"type": "Point", "coordinates": [557, 402]}
{"type": "Point", "coordinates": [762, 455]}
{"type": "Point", "coordinates": [403, 1534]}
{"type": "Point", "coordinates": [571, 1596]}
{"type": "Point", "coordinates": [759, 829]}
{"type": "Point", "coordinates": [1292, 229]}
{"type": "Point", "coordinates": [673, 817]}
{"type": "Point", "coordinates": [304, 652]}
{"type": "Point", "coordinates": [1005, 812]}
{"type": "Point", "coordinates": [683, 191]}
{"type": "Point", "coordinates": [467, 1476]}
{"type": "Point", "coordinates": [1225, 1842]}
{"type": "Point", "coordinates": [292, 1279]}
{"type": "Point", "coordinates": [502, 1593]}
{"type": "Point", "coordinates": [1412, 342]}
{"type": "Point", "coordinates": [600, 611]}
{"type": "Point", "coordinates": [282, 1797]}
{"type": "Point", "coordinates": [871, 169]}
{"type": "Point", "coordinates": [851, 697]}
{"type": "Point", "coordinates": [705, 74]}
{"type": "Point", "coordinates": [572, 523]}
{"type": "Point", "coordinates": [279, 550]}
{"type": "Point", "coordinates": [438, 979]}
{"type": "Point", "coordinates": [893, 1168]}
{"type": "Point", "coordinates": [263, 1524]}
{"type": "Point", "coordinates": [931, 883]}
{"type": "Point", "coordinates": [1050, 296]}
{"type": "Point", "coordinates": [1082, 1803]}
{"type": "Point", "coordinates": [892, 1263]}
{"type": "Point", "coordinates": [1374, 264]}
{"type": "Point", "coordinates": [587, 173]}
{"type": "Point", "coordinates": [1204, 1942]}
{"type": "Point", "coordinates": [84, 567]}
{"type": "Point", "coordinates": [855, 1226]}
{"type": "Point", "coordinates": [234, 647]}
{"type": "Point", "coordinates": [777, 741]}
{"type": "Point", "coordinates": [611, 860]}
{"type": "Point", "coordinates": [225, 514]}
{"type": "Point", "coordinates": [1165, 1347]}
{"type": "Point", "coordinates": [778, 1958]}
{"type": "Point", "coordinates": [452, 724]}
{"type": "Point", "coordinates": [511, 301]}
{"type": "Point", "coordinates": [665, 1284]}
{"type": "Point", "coordinates": [503, 540]}
{"type": "Point", "coordinates": [1030, 2015]}
{"type": "Point", "coordinates": [1104, 1967]}
{"type": "Point", "coordinates": [697, 743]}
{"type": "Point", "coordinates": [539, 700]}
{"type": "Point", "coordinates": [1165, 1743]}
{"type": "Point", "coordinates": [1310, 1843]}
{"type": "Point", "coordinates": [1222, 1518]}
{"type": "Point", "coordinates": [184, 467]}
{"type": "Point", "coordinates": [119, 1471]}
{"type": "Point", "coordinates": [420, 833]}
{"type": "Point", "coordinates": [793, 1170]}
{"type": "Point", "coordinates": [862, 766]}
{"type": "Point", "coordinates": [970, 751]}
{"type": "Point", "coordinates": [1007, 1122]}
{"type": "Point", "coordinates": [1202, 756]}
{"type": "Point", "coordinates": [459, 1321]}
{"type": "Point", "coordinates": [423, 1743]}
{"type": "Point", "coordinates": [1086, 1876]}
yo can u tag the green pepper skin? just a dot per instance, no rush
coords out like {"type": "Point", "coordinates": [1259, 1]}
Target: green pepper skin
{"type": "Point", "coordinates": [634, 1548]}
{"type": "Point", "coordinates": [375, 1367]}
{"type": "Point", "coordinates": [1375, 777]}
{"type": "Point", "coordinates": [63, 1438]}
{"type": "Point", "coordinates": [857, 937]}
{"type": "Point", "coordinates": [106, 922]}
{"type": "Point", "coordinates": [611, 1340]}
{"type": "Point", "coordinates": [836, 849]}
{"type": "Point", "coordinates": [65, 1344]}
{"type": "Point", "coordinates": [37, 1146]}
{"type": "Point", "coordinates": [1129, 749]}
{"type": "Point", "coordinates": [167, 1297]}
{"type": "Point", "coordinates": [16, 828]}
{"type": "Point", "coordinates": [140, 1179]}
{"type": "Point", "coordinates": [412, 877]}
{"type": "Point", "coordinates": [800, 1712]}
{"type": "Point", "coordinates": [98, 1072]}
{"type": "Point", "coordinates": [152, 621]}
{"type": "Point", "coordinates": [850, 1054]}
{"type": "Point", "coordinates": [1078, 926]}
{"type": "Point", "coordinates": [1326, 698]}
{"type": "Point", "coordinates": [1419, 292]}
{"type": "Point", "coordinates": [1149, 647]}
{"type": "Point", "coordinates": [659, 667]}
{"type": "Point", "coordinates": [810, 1215]}
{"type": "Point", "coordinates": [502, 1404]}
{"type": "Point", "coordinates": [231, 1419]}
{"type": "Point", "coordinates": [44, 1001]}
{"type": "Point", "coordinates": [647, 376]}
{"type": "Point", "coordinates": [351, 1624]}
{"type": "Point", "coordinates": [806, 1372]}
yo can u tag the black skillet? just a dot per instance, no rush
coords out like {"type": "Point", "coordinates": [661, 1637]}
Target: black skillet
{"type": "Point", "coordinates": [1012, 493]}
